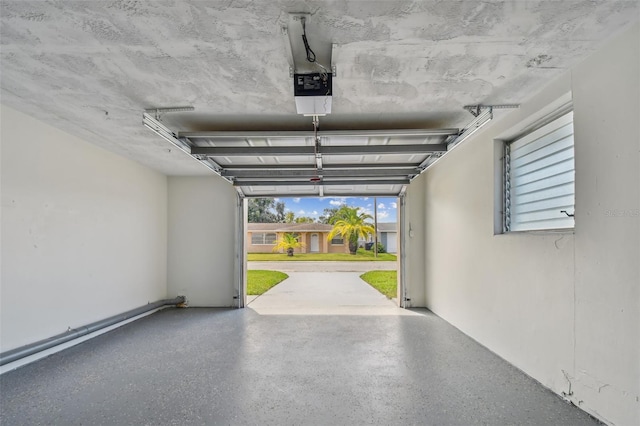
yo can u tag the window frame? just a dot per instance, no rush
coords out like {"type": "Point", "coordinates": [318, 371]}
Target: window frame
{"type": "Point", "coordinates": [548, 122]}
{"type": "Point", "coordinates": [337, 238]}
{"type": "Point", "coordinates": [264, 238]}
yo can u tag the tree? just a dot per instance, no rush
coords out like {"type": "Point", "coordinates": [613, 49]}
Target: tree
{"type": "Point", "coordinates": [266, 210]}
{"type": "Point", "coordinates": [288, 242]}
{"type": "Point", "coordinates": [304, 219]}
{"type": "Point", "coordinates": [260, 210]}
{"type": "Point", "coordinates": [351, 225]}
{"type": "Point", "coordinates": [280, 213]}
{"type": "Point", "coordinates": [289, 217]}
{"type": "Point", "coordinates": [331, 214]}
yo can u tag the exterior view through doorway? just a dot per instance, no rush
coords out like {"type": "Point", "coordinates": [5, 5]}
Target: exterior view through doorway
{"type": "Point", "coordinates": [311, 235]}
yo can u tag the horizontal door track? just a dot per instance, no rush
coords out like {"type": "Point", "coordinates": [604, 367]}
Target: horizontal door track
{"type": "Point", "coordinates": [314, 163]}
{"type": "Point", "coordinates": [284, 182]}
{"type": "Point", "coordinates": [346, 166]}
{"type": "Point", "coordinates": [312, 172]}
{"type": "Point", "coordinates": [322, 133]}
{"type": "Point", "coordinates": [324, 150]}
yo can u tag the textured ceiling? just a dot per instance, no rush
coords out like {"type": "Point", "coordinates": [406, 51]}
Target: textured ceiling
{"type": "Point", "coordinates": [92, 67]}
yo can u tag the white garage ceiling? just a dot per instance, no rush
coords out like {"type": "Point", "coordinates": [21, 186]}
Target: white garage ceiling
{"type": "Point", "coordinates": [92, 68]}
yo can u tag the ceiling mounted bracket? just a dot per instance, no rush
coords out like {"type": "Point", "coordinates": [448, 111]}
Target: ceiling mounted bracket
{"type": "Point", "coordinates": [151, 120]}
{"type": "Point", "coordinates": [292, 33]}
{"type": "Point", "coordinates": [334, 68]}
{"type": "Point", "coordinates": [153, 123]}
{"type": "Point", "coordinates": [309, 54]}
{"type": "Point", "coordinates": [485, 115]}
{"type": "Point", "coordinates": [157, 112]}
{"type": "Point", "coordinates": [287, 47]}
{"type": "Point", "coordinates": [475, 110]}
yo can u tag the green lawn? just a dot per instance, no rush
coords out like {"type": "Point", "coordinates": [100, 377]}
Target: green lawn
{"type": "Point", "coordinates": [386, 282]}
{"type": "Point", "coordinates": [260, 281]}
{"type": "Point", "coordinates": [362, 255]}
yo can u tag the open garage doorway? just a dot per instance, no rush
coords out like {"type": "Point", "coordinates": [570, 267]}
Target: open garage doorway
{"type": "Point", "coordinates": [321, 163]}
{"type": "Point", "coordinates": [356, 239]}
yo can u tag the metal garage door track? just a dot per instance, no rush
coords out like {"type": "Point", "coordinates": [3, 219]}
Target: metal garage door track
{"type": "Point", "coordinates": [324, 293]}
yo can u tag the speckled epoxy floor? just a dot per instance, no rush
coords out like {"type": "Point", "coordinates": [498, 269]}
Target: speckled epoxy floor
{"type": "Point", "coordinates": [216, 366]}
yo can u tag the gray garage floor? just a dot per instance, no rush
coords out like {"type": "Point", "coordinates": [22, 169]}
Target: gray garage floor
{"type": "Point", "coordinates": [371, 364]}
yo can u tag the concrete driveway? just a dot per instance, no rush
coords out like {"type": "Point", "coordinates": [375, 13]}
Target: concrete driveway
{"type": "Point", "coordinates": [297, 266]}
{"type": "Point", "coordinates": [324, 293]}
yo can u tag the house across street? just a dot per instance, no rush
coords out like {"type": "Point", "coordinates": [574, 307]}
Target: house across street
{"type": "Point", "coordinates": [323, 266]}
{"type": "Point", "coordinates": [261, 237]}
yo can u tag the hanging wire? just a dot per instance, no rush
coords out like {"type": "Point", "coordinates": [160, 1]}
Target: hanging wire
{"type": "Point", "coordinates": [324, 73]}
{"type": "Point", "coordinates": [311, 56]}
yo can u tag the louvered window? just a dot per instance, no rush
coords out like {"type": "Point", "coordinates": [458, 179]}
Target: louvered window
{"type": "Point", "coordinates": [540, 178]}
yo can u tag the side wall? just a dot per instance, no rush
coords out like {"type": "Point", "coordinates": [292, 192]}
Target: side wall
{"type": "Point", "coordinates": [202, 240]}
{"type": "Point", "coordinates": [83, 232]}
{"type": "Point", "coordinates": [606, 93]}
{"type": "Point", "coordinates": [563, 307]}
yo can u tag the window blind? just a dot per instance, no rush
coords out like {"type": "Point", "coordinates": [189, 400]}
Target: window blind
{"type": "Point", "coordinates": [541, 178]}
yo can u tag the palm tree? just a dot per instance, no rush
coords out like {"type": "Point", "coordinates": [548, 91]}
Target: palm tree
{"type": "Point", "coordinates": [288, 243]}
{"type": "Point", "coordinates": [351, 225]}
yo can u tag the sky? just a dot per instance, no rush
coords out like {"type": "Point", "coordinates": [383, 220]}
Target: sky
{"type": "Point", "coordinates": [314, 206]}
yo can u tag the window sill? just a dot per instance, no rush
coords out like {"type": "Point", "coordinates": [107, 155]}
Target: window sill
{"type": "Point", "coordinates": [571, 231]}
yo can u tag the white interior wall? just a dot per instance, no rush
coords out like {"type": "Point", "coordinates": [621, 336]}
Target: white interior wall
{"type": "Point", "coordinates": [563, 307]}
{"type": "Point", "coordinates": [83, 232]}
{"type": "Point", "coordinates": [202, 240]}
{"type": "Point", "coordinates": [606, 93]}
